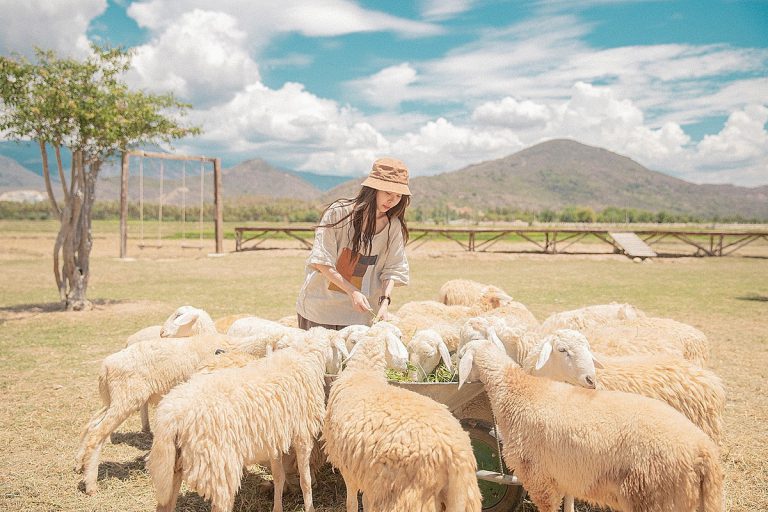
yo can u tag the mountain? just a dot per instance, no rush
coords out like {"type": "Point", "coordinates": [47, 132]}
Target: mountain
{"type": "Point", "coordinates": [561, 173]}
{"type": "Point", "coordinates": [13, 176]}
{"type": "Point", "coordinates": [258, 178]}
{"type": "Point", "coordinates": [322, 181]}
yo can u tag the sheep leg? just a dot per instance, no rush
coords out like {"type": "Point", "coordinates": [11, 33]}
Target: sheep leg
{"type": "Point", "coordinates": [95, 441]}
{"type": "Point", "coordinates": [144, 410]}
{"type": "Point", "coordinates": [303, 453]}
{"type": "Point", "coordinates": [568, 503]}
{"type": "Point", "coordinates": [171, 505]}
{"type": "Point", "coordinates": [352, 489]}
{"type": "Point", "coordinates": [278, 478]}
{"type": "Point", "coordinates": [92, 424]}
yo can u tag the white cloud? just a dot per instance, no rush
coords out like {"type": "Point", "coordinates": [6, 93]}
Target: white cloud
{"type": "Point", "coordinates": [263, 19]}
{"type": "Point", "coordinates": [388, 87]}
{"type": "Point", "coordinates": [59, 25]}
{"type": "Point", "coordinates": [200, 57]}
{"type": "Point", "coordinates": [444, 9]}
{"type": "Point", "coordinates": [743, 141]}
{"type": "Point", "coordinates": [512, 113]}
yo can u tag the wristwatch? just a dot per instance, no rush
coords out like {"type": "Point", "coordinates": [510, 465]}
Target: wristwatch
{"type": "Point", "coordinates": [385, 298]}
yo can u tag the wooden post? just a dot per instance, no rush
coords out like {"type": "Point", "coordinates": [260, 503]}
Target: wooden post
{"type": "Point", "coordinates": [218, 205]}
{"type": "Point", "coordinates": [124, 206]}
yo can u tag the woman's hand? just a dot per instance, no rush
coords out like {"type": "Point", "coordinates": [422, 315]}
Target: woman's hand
{"type": "Point", "coordinates": [383, 313]}
{"type": "Point", "coordinates": [360, 301]}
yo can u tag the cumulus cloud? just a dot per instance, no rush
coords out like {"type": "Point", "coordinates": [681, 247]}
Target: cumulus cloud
{"type": "Point", "coordinates": [742, 141]}
{"type": "Point", "coordinates": [200, 57]}
{"type": "Point", "coordinates": [512, 113]}
{"type": "Point", "coordinates": [59, 25]}
{"type": "Point", "coordinates": [387, 88]}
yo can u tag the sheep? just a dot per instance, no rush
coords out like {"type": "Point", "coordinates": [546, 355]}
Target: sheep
{"type": "Point", "coordinates": [694, 391]}
{"type": "Point", "coordinates": [589, 316]}
{"type": "Point", "coordinates": [187, 321]}
{"type": "Point", "coordinates": [289, 321]}
{"type": "Point", "coordinates": [214, 425]}
{"type": "Point", "coordinates": [183, 322]}
{"type": "Point", "coordinates": [426, 348]}
{"type": "Point", "coordinates": [141, 372]}
{"type": "Point", "coordinates": [613, 449]}
{"type": "Point", "coordinates": [403, 450]}
{"type": "Point", "coordinates": [649, 335]}
{"type": "Point", "coordinates": [466, 292]}
{"type": "Point", "coordinates": [251, 325]}
{"type": "Point", "coordinates": [222, 324]}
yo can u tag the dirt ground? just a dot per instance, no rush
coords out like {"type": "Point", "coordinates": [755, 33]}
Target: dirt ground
{"type": "Point", "coordinates": [49, 359]}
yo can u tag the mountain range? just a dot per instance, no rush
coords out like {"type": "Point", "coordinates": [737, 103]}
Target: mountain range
{"type": "Point", "coordinates": [550, 175]}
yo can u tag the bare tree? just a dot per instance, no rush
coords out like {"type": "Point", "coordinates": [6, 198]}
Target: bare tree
{"type": "Point", "coordinates": [83, 107]}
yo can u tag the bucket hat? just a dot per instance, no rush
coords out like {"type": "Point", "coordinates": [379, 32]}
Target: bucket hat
{"type": "Point", "coordinates": [389, 175]}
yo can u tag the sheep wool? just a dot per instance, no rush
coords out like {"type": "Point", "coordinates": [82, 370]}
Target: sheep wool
{"type": "Point", "coordinates": [466, 292]}
{"type": "Point", "coordinates": [590, 316]}
{"type": "Point", "coordinates": [403, 450]}
{"type": "Point", "coordinates": [609, 448]}
{"type": "Point", "coordinates": [211, 427]}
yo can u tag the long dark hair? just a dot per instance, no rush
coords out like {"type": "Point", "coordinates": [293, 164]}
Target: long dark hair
{"type": "Point", "coordinates": [364, 211]}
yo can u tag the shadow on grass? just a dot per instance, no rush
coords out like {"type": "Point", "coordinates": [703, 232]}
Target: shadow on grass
{"type": "Point", "coordinates": [21, 311]}
{"type": "Point", "coordinates": [754, 297]}
{"type": "Point", "coordinates": [138, 440]}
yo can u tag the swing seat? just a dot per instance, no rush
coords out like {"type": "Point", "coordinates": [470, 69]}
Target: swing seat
{"type": "Point", "coordinates": [191, 246]}
{"type": "Point", "coordinates": [150, 246]}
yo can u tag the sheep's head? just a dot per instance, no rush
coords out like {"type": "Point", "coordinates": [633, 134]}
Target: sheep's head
{"type": "Point", "coordinates": [467, 370]}
{"type": "Point", "coordinates": [180, 323]}
{"type": "Point", "coordinates": [426, 349]}
{"type": "Point", "coordinates": [492, 297]}
{"type": "Point", "coordinates": [565, 356]}
{"type": "Point", "coordinates": [395, 353]}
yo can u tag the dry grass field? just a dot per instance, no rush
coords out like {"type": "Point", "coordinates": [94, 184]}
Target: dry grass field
{"type": "Point", "coordinates": [49, 359]}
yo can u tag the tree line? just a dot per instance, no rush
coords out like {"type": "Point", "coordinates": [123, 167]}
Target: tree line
{"type": "Point", "coordinates": [290, 210]}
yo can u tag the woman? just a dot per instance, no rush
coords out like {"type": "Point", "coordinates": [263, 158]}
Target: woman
{"type": "Point", "coordinates": [358, 256]}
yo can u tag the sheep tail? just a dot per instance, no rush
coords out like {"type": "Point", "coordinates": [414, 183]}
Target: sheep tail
{"type": "Point", "coordinates": [711, 498]}
{"type": "Point", "coordinates": [463, 492]}
{"type": "Point", "coordinates": [162, 464]}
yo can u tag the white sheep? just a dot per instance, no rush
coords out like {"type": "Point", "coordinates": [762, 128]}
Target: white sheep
{"type": "Point", "coordinates": [589, 316]}
{"type": "Point", "coordinates": [185, 321]}
{"type": "Point", "coordinates": [254, 325]}
{"type": "Point", "coordinates": [403, 450]}
{"type": "Point", "coordinates": [214, 425]}
{"type": "Point", "coordinates": [223, 324]}
{"type": "Point", "coordinates": [613, 449]}
{"type": "Point", "coordinates": [649, 335]}
{"type": "Point", "coordinates": [466, 292]}
{"type": "Point", "coordinates": [144, 372]}
{"type": "Point", "coordinates": [426, 348]}
{"type": "Point", "coordinates": [694, 391]}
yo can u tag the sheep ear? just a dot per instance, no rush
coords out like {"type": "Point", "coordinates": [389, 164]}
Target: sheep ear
{"type": "Point", "coordinates": [341, 347]}
{"type": "Point", "coordinates": [598, 364]}
{"type": "Point", "coordinates": [396, 347]}
{"type": "Point", "coordinates": [546, 351]}
{"type": "Point", "coordinates": [465, 366]}
{"type": "Point", "coordinates": [494, 338]}
{"type": "Point", "coordinates": [351, 353]}
{"type": "Point", "coordinates": [185, 318]}
{"type": "Point", "coordinates": [445, 354]}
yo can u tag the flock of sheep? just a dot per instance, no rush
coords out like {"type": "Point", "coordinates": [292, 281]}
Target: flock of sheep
{"type": "Point", "coordinates": [604, 404]}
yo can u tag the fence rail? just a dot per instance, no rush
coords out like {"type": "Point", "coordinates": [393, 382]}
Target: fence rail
{"type": "Point", "coordinates": [549, 240]}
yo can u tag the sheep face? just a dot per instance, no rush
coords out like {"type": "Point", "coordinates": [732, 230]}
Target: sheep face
{"type": "Point", "coordinates": [180, 323]}
{"type": "Point", "coordinates": [426, 348]}
{"type": "Point", "coordinates": [565, 356]}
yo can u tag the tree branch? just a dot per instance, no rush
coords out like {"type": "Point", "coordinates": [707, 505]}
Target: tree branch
{"type": "Point", "coordinates": [61, 172]}
{"type": "Point", "coordinates": [47, 176]}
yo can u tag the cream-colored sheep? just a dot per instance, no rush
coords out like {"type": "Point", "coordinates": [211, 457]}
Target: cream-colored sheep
{"type": "Point", "coordinates": [144, 372]}
{"type": "Point", "coordinates": [466, 292]}
{"type": "Point", "coordinates": [649, 335]}
{"type": "Point", "coordinates": [694, 391]}
{"type": "Point", "coordinates": [403, 450]}
{"type": "Point", "coordinates": [254, 325]}
{"type": "Point", "coordinates": [589, 316]}
{"type": "Point", "coordinates": [185, 321]}
{"type": "Point", "coordinates": [612, 449]}
{"type": "Point", "coordinates": [214, 425]}
{"type": "Point", "coordinates": [425, 350]}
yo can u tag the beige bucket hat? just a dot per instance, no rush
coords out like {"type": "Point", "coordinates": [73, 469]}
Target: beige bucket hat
{"type": "Point", "coordinates": [389, 175]}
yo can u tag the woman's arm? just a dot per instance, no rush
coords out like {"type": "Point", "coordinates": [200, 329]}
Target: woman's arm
{"type": "Point", "coordinates": [359, 301]}
{"type": "Point", "coordinates": [386, 291]}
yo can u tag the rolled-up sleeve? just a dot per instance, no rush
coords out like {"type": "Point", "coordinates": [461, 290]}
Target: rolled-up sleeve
{"type": "Point", "coordinates": [396, 264]}
{"type": "Point", "coordinates": [325, 249]}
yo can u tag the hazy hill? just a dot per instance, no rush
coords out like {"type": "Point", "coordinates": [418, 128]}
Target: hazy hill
{"type": "Point", "coordinates": [14, 176]}
{"type": "Point", "coordinates": [561, 173]}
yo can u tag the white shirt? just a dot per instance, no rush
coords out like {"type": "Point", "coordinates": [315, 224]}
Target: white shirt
{"type": "Point", "coordinates": [323, 302]}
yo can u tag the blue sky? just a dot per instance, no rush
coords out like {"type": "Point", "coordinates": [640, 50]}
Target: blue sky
{"type": "Point", "coordinates": [329, 85]}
